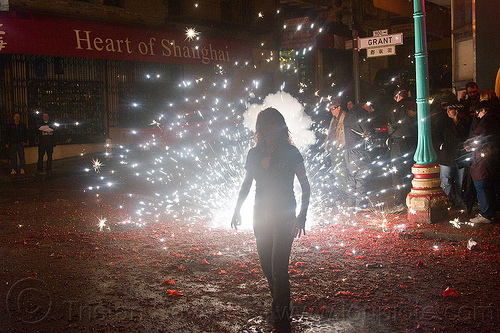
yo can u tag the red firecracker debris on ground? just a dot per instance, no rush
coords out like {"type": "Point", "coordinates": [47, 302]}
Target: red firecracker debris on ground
{"type": "Point", "coordinates": [361, 273]}
{"type": "Point", "coordinates": [450, 292]}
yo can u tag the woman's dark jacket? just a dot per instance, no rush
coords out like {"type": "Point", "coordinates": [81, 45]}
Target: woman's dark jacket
{"type": "Point", "coordinates": [485, 143]}
{"type": "Point", "coordinates": [449, 139]}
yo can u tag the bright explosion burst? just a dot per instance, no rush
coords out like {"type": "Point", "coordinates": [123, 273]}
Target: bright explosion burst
{"type": "Point", "coordinates": [190, 160]}
{"type": "Point", "coordinates": [191, 34]}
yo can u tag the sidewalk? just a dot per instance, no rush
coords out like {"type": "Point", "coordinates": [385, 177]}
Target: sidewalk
{"type": "Point", "coordinates": [61, 168]}
{"type": "Point", "coordinates": [457, 228]}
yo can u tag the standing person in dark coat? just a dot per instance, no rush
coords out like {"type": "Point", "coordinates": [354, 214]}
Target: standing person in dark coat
{"type": "Point", "coordinates": [334, 144]}
{"type": "Point", "coordinates": [17, 136]}
{"type": "Point", "coordinates": [46, 130]}
{"type": "Point", "coordinates": [402, 124]}
{"type": "Point", "coordinates": [273, 163]}
{"type": "Point", "coordinates": [357, 128]}
{"type": "Point", "coordinates": [485, 169]}
{"type": "Point", "coordinates": [450, 135]}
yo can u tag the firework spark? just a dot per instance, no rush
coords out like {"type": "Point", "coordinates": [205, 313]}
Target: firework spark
{"type": "Point", "coordinates": [194, 162]}
{"type": "Point", "coordinates": [102, 223]}
{"type": "Point", "coordinates": [96, 164]}
{"type": "Point", "coordinates": [191, 34]}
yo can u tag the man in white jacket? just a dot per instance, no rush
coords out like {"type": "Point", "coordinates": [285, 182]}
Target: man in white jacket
{"type": "Point", "coordinates": [46, 131]}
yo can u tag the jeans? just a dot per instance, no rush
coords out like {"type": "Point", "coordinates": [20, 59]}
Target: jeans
{"type": "Point", "coordinates": [42, 149]}
{"type": "Point", "coordinates": [402, 151]}
{"type": "Point", "coordinates": [488, 195]}
{"type": "Point", "coordinates": [339, 168]}
{"type": "Point", "coordinates": [274, 243]}
{"type": "Point", "coordinates": [16, 149]}
{"type": "Point", "coordinates": [452, 175]}
{"type": "Point", "coordinates": [358, 173]}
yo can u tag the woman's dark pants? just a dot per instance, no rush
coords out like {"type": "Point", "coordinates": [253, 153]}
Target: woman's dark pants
{"type": "Point", "coordinates": [274, 243]}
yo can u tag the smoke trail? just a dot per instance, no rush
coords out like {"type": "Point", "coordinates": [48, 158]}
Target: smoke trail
{"type": "Point", "coordinates": [299, 123]}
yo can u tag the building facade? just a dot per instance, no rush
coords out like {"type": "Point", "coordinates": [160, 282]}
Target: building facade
{"type": "Point", "coordinates": [102, 65]}
{"type": "Point", "coordinates": [475, 44]}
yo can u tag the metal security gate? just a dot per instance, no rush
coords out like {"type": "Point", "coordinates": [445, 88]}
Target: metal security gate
{"type": "Point", "coordinates": [77, 106]}
{"type": "Point", "coordinates": [70, 89]}
{"type": "Point", "coordinates": [85, 96]}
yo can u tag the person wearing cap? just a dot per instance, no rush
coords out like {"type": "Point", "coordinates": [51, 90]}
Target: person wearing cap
{"type": "Point", "coordinates": [356, 128]}
{"type": "Point", "coordinates": [449, 137]}
{"type": "Point", "coordinates": [335, 142]}
{"type": "Point", "coordinates": [485, 169]}
{"type": "Point", "coordinates": [402, 126]}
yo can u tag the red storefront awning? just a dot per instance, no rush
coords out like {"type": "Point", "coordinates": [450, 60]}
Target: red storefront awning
{"type": "Point", "coordinates": [76, 38]}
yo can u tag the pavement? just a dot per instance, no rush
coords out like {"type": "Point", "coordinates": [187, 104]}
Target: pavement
{"type": "Point", "coordinates": [456, 228]}
{"type": "Point", "coordinates": [60, 168]}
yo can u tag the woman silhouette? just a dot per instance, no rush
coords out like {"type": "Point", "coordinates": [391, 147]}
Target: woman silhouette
{"type": "Point", "coordinates": [273, 164]}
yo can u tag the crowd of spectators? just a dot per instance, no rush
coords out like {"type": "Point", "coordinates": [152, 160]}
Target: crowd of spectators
{"type": "Point", "coordinates": [464, 134]}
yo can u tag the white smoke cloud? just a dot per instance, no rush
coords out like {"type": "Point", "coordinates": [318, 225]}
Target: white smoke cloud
{"type": "Point", "coordinates": [298, 122]}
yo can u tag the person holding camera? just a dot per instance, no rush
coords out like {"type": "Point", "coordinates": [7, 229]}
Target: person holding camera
{"type": "Point", "coordinates": [357, 128]}
{"type": "Point", "coordinates": [402, 127]}
{"type": "Point", "coordinates": [449, 137]}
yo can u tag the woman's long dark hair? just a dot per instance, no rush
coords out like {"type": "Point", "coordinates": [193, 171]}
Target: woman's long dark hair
{"type": "Point", "coordinates": [268, 121]}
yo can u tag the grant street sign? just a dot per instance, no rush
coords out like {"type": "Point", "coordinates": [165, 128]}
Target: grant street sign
{"type": "Point", "coordinates": [371, 42]}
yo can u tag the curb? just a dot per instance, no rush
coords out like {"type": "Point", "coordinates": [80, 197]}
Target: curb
{"type": "Point", "coordinates": [431, 234]}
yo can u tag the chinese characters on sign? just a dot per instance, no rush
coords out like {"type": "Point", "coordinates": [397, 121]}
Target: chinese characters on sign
{"type": "Point", "coordinates": [2, 42]}
{"type": "Point", "coordinates": [381, 51]}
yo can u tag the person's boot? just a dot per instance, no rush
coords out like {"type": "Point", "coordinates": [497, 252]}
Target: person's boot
{"type": "Point", "coordinates": [282, 320]}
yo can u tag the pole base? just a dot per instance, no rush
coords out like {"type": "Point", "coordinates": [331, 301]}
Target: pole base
{"type": "Point", "coordinates": [427, 202]}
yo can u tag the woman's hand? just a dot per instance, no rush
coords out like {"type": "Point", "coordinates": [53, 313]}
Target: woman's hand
{"type": "Point", "coordinates": [236, 220]}
{"type": "Point", "coordinates": [299, 226]}
{"type": "Point", "coordinates": [245, 188]}
{"type": "Point", "coordinates": [300, 221]}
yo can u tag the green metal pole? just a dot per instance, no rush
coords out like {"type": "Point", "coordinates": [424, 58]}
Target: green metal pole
{"type": "Point", "coordinates": [424, 154]}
